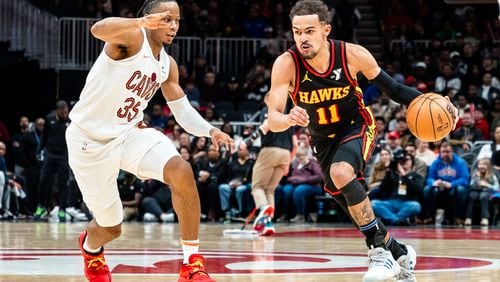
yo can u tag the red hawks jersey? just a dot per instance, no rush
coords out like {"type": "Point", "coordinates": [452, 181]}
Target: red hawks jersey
{"type": "Point", "coordinates": [116, 92]}
{"type": "Point", "coordinates": [332, 99]}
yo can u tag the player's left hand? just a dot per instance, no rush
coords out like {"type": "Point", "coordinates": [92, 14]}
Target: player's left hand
{"type": "Point", "coordinates": [221, 138]}
{"type": "Point", "coordinates": [455, 110]}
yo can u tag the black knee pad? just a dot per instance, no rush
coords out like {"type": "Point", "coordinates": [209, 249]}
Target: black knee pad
{"type": "Point", "coordinates": [354, 193]}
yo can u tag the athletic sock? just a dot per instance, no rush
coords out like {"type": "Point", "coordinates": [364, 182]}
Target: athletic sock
{"type": "Point", "coordinates": [189, 247]}
{"type": "Point", "coordinates": [89, 250]}
{"type": "Point", "coordinates": [375, 234]}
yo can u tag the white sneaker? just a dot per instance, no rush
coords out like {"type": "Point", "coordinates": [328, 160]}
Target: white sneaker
{"type": "Point", "coordinates": [439, 217]}
{"type": "Point", "coordinates": [407, 263]}
{"type": "Point", "coordinates": [149, 217]}
{"type": "Point", "coordinates": [167, 217]}
{"type": "Point", "coordinates": [76, 214]}
{"type": "Point", "coordinates": [381, 266]}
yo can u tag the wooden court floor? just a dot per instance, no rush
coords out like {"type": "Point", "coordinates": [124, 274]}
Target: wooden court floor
{"type": "Point", "coordinates": [40, 251]}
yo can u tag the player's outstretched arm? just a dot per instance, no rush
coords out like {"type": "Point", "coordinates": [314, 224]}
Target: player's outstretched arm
{"type": "Point", "coordinates": [282, 76]}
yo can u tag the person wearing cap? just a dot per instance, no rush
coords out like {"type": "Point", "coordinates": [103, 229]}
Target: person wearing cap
{"type": "Point", "coordinates": [52, 150]}
{"type": "Point", "coordinates": [393, 142]}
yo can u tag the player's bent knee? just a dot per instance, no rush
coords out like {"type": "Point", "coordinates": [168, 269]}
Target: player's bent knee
{"type": "Point", "coordinates": [178, 170]}
{"type": "Point", "coordinates": [341, 174]}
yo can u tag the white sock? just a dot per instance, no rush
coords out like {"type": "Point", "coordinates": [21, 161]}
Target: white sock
{"type": "Point", "coordinates": [189, 247]}
{"type": "Point", "coordinates": [88, 249]}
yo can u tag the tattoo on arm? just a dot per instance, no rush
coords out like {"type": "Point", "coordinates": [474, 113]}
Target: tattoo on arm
{"type": "Point", "coordinates": [362, 213]}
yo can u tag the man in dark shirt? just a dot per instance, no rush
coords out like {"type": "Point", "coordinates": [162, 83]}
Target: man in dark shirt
{"type": "Point", "coordinates": [54, 153]}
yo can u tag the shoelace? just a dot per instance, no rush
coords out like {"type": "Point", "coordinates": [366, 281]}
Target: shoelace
{"type": "Point", "coordinates": [197, 268]}
{"type": "Point", "coordinates": [93, 263]}
{"type": "Point", "coordinates": [378, 258]}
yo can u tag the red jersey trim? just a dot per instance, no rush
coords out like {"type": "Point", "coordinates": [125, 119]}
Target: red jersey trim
{"type": "Point", "coordinates": [344, 64]}
{"type": "Point", "coordinates": [293, 95]}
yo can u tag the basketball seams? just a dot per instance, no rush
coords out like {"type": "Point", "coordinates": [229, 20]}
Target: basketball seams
{"type": "Point", "coordinates": [414, 120]}
{"type": "Point", "coordinates": [444, 110]}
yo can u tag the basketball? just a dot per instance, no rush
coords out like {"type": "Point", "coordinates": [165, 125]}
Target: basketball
{"type": "Point", "coordinates": [430, 117]}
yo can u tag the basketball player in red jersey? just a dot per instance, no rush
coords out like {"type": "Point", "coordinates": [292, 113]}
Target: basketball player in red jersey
{"type": "Point", "coordinates": [319, 75]}
{"type": "Point", "coordinates": [106, 133]}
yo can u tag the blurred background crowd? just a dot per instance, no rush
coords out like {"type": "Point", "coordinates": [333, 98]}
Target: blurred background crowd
{"type": "Point", "coordinates": [436, 47]}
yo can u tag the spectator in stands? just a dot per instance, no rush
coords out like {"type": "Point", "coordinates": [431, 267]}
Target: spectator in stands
{"type": "Point", "coordinates": [28, 150]}
{"type": "Point", "coordinates": [460, 101]}
{"type": "Point", "coordinates": [186, 155]}
{"type": "Point", "coordinates": [237, 183]}
{"type": "Point", "coordinates": [487, 91]}
{"type": "Point", "coordinates": [253, 25]}
{"type": "Point", "coordinates": [494, 113]}
{"type": "Point", "coordinates": [210, 175]}
{"type": "Point", "coordinates": [398, 194]}
{"type": "Point", "coordinates": [393, 142]}
{"type": "Point", "coordinates": [304, 140]}
{"type": "Point", "coordinates": [210, 89]}
{"type": "Point", "coordinates": [380, 139]}
{"type": "Point", "coordinates": [15, 145]}
{"type": "Point", "coordinates": [193, 93]}
{"type": "Point", "coordinates": [158, 120]}
{"type": "Point", "coordinates": [131, 190]}
{"type": "Point", "coordinates": [446, 186]}
{"type": "Point", "coordinates": [385, 107]}
{"type": "Point", "coordinates": [481, 123]}
{"type": "Point", "coordinates": [483, 184]}
{"type": "Point", "coordinates": [157, 202]}
{"type": "Point", "coordinates": [404, 133]}
{"type": "Point", "coordinates": [466, 135]}
{"type": "Point", "coordinates": [447, 80]}
{"type": "Point", "coordinates": [199, 147]}
{"type": "Point", "coordinates": [487, 150]}
{"type": "Point", "coordinates": [418, 165]}
{"type": "Point", "coordinates": [232, 92]}
{"type": "Point", "coordinates": [302, 183]}
{"type": "Point", "coordinates": [474, 97]}
{"type": "Point", "coordinates": [423, 152]}
{"type": "Point", "coordinates": [378, 171]}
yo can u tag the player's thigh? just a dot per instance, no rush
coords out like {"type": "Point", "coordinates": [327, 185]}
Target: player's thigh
{"type": "Point", "coordinates": [351, 153]}
{"type": "Point", "coordinates": [146, 152]}
{"type": "Point", "coordinates": [95, 166]}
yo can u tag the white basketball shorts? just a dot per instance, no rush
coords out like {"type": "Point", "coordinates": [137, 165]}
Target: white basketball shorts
{"type": "Point", "coordinates": [97, 163]}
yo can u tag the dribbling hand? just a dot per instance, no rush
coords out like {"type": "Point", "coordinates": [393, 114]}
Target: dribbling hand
{"type": "Point", "coordinates": [154, 21]}
{"type": "Point", "coordinates": [298, 116]}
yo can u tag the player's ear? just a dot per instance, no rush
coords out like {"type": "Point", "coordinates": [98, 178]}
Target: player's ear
{"type": "Point", "coordinates": [327, 29]}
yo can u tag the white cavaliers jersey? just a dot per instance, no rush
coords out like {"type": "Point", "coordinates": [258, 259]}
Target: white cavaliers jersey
{"type": "Point", "coordinates": [117, 92]}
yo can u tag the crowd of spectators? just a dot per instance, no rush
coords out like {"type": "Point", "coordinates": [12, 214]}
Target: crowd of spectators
{"type": "Point", "coordinates": [440, 183]}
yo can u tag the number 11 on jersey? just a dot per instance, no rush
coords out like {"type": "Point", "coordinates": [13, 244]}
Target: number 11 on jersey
{"type": "Point", "coordinates": [328, 117]}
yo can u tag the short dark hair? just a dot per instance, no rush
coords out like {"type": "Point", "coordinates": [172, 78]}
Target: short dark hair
{"type": "Point", "coordinates": [311, 7]}
{"type": "Point", "coordinates": [149, 5]}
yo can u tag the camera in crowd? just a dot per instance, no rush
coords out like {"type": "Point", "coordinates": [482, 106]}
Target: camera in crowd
{"type": "Point", "coordinates": [398, 157]}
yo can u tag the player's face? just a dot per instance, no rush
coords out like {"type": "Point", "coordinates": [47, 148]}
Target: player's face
{"type": "Point", "coordinates": [166, 35]}
{"type": "Point", "coordinates": [309, 34]}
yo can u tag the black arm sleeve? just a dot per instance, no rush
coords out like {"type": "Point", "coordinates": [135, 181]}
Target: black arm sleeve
{"type": "Point", "coordinates": [398, 92]}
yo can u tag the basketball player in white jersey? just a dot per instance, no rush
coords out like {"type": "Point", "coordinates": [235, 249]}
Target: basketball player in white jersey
{"type": "Point", "coordinates": [106, 133]}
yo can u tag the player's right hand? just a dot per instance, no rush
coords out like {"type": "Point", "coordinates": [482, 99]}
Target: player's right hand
{"type": "Point", "coordinates": [154, 21]}
{"type": "Point", "coordinates": [298, 116]}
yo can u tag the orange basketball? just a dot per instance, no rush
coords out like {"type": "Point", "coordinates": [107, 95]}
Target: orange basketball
{"type": "Point", "coordinates": [430, 117]}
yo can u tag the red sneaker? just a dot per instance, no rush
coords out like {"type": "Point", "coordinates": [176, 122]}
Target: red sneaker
{"type": "Point", "coordinates": [94, 266]}
{"type": "Point", "coordinates": [195, 270]}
